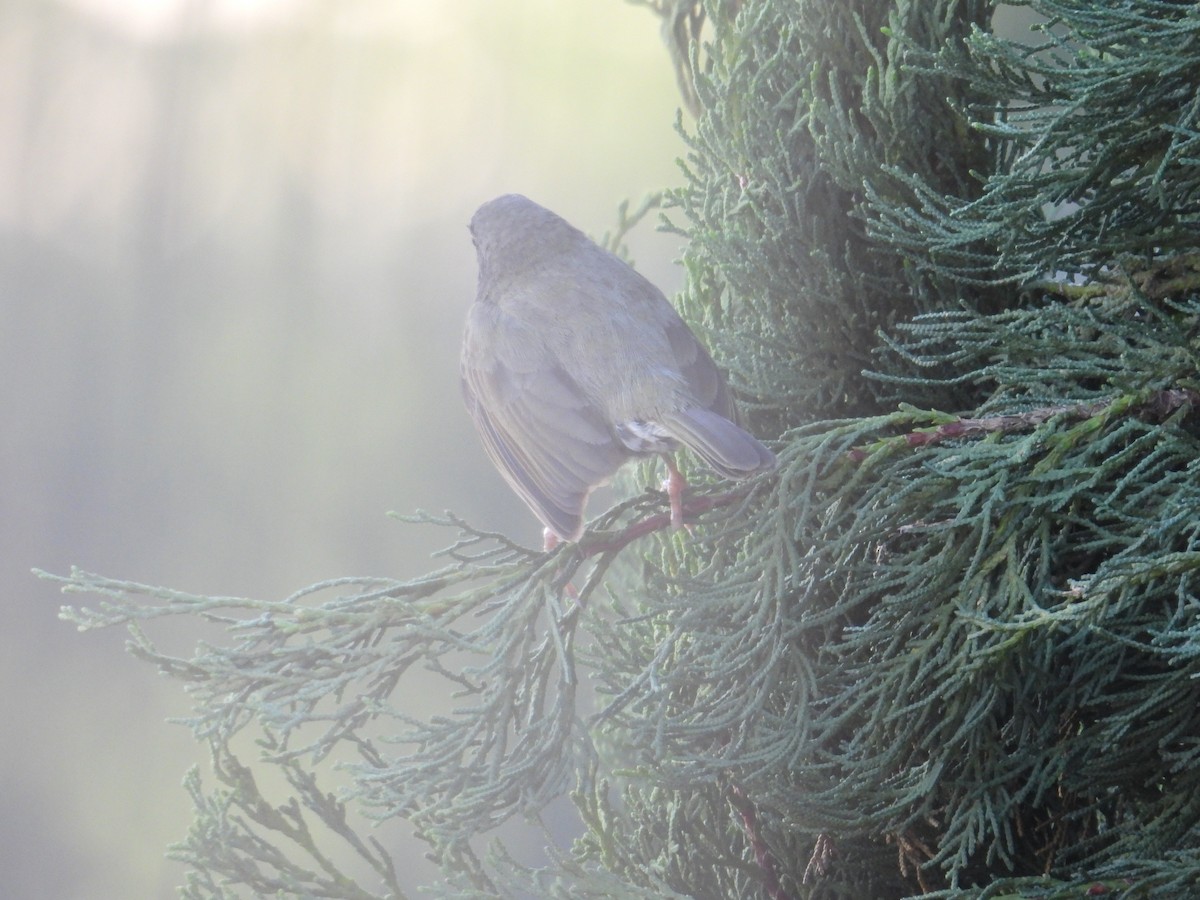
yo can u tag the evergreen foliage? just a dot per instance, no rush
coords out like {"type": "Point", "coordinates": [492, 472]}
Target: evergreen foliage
{"type": "Point", "coordinates": [951, 645]}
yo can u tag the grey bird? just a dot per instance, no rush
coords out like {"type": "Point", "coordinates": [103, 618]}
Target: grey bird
{"type": "Point", "coordinates": [574, 364]}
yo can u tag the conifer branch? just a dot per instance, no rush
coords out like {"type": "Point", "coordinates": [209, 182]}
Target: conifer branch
{"type": "Point", "coordinates": [1158, 405]}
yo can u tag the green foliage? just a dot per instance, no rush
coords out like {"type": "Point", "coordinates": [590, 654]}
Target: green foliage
{"type": "Point", "coordinates": [810, 106]}
{"type": "Point", "coordinates": [951, 645]}
{"type": "Point", "coordinates": [1097, 136]}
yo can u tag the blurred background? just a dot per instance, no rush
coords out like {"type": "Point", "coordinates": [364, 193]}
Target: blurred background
{"type": "Point", "coordinates": [234, 268]}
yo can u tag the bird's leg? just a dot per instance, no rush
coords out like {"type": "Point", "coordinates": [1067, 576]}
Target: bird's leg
{"type": "Point", "coordinates": [674, 486]}
{"type": "Point", "coordinates": [550, 540]}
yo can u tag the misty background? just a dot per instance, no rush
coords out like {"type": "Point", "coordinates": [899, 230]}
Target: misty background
{"type": "Point", "coordinates": [234, 268]}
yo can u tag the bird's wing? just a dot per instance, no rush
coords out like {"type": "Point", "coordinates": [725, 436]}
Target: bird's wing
{"type": "Point", "coordinates": [549, 441]}
{"type": "Point", "coordinates": [704, 380]}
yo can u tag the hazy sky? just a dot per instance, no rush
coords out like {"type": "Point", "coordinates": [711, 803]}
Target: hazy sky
{"type": "Point", "coordinates": [234, 267]}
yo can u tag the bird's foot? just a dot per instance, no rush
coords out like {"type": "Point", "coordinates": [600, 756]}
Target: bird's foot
{"type": "Point", "coordinates": [674, 485]}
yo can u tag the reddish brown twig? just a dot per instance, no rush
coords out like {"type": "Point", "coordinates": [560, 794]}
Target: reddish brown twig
{"type": "Point", "coordinates": [596, 543]}
{"type": "Point", "coordinates": [762, 853]}
{"type": "Point", "coordinates": [1159, 404]}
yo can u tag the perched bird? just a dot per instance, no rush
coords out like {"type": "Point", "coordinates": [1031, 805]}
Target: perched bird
{"type": "Point", "coordinates": [573, 364]}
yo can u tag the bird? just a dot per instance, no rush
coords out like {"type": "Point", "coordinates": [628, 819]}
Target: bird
{"type": "Point", "coordinates": [574, 364]}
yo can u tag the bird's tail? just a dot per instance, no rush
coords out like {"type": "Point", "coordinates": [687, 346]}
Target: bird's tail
{"type": "Point", "coordinates": [727, 448]}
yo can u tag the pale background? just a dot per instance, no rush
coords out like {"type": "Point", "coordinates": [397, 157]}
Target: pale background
{"type": "Point", "coordinates": [233, 270]}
